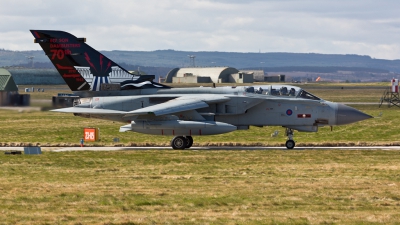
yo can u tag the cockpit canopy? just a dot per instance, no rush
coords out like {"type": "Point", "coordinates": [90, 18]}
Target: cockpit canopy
{"type": "Point", "coordinates": [281, 90]}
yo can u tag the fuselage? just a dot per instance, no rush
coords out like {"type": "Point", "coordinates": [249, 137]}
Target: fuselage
{"type": "Point", "coordinates": [268, 105]}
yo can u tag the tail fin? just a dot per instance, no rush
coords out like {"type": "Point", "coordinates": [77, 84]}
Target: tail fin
{"type": "Point", "coordinates": [81, 66]}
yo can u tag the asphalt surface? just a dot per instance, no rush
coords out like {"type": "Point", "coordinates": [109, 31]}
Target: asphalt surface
{"type": "Point", "coordinates": [65, 149]}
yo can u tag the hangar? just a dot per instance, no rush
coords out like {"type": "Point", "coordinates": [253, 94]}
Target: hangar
{"type": "Point", "coordinates": [9, 91]}
{"type": "Point", "coordinates": [30, 76]}
{"type": "Point", "coordinates": [208, 75]}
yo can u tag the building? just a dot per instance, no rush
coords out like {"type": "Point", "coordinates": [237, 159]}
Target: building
{"type": "Point", "coordinates": [208, 75]}
{"type": "Point", "coordinates": [276, 78]}
{"type": "Point", "coordinates": [29, 76]}
{"type": "Point", "coordinates": [258, 75]}
{"type": "Point", "coordinates": [9, 91]}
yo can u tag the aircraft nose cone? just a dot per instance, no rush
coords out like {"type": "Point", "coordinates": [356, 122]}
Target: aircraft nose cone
{"type": "Point", "coordinates": [345, 115]}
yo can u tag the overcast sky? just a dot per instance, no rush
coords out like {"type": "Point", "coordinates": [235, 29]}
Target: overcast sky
{"type": "Point", "coordinates": [363, 27]}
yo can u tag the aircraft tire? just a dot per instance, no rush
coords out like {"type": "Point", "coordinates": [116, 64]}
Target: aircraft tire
{"type": "Point", "coordinates": [189, 141]}
{"type": "Point", "coordinates": [290, 144]}
{"type": "Point", "coordinates": [179, 142]}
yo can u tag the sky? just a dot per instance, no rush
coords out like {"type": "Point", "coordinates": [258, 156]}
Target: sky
{"type": "Point", "coordinates": [362, 27]}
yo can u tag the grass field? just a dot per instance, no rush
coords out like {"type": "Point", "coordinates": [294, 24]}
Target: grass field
{"type": "Point", "coordinates": [201, 187]}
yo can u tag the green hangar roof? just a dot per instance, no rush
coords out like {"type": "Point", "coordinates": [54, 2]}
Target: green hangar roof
{"type": "Point", "coordinates": [6, 81]}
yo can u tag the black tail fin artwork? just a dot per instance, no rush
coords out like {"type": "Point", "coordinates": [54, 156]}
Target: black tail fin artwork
{"type": "Point", "coordinates": [82, 67]}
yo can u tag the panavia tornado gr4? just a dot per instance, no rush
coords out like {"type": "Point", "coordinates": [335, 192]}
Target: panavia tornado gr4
{"type": "Point", "coordinates": [108, 91]}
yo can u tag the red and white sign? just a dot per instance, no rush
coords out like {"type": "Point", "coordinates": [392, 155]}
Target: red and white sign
{"type": "Point", "coordinates": [90, 134]}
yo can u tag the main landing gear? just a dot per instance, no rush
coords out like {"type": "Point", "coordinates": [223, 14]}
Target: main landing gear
{"type": "Point", "coordinates": [290, 142]}
{"type": "Point", "coordinates": [182, 142]}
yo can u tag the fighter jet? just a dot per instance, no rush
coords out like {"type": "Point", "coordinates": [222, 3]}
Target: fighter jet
{"type": "Point", "coordinates": [152, 108]}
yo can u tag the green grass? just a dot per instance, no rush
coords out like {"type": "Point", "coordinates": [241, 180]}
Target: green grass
{"type": "Point", "coordinates": [350, 95]}
{"type": "Point", "coordinates": [206, 187]}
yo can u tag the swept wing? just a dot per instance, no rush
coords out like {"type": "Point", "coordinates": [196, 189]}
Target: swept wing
{"type": "Point", "coordinates": [170, 107]}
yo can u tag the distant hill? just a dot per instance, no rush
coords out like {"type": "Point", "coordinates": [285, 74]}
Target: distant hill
{"type": "Point", "coordinates": [172, 59]}
{"type": "Point", "coordinates": [161, 61]}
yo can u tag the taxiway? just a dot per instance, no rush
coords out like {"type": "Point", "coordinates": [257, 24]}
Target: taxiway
{"type": "Point", "coordinates": [212, 148]}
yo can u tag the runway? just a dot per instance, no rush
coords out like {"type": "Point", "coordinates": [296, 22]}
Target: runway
{"type": "Point", "coordinates": [66, 149]}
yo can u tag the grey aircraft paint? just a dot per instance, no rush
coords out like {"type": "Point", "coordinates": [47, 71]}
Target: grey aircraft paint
{"type": "Point", "coordinates": [152, 108]}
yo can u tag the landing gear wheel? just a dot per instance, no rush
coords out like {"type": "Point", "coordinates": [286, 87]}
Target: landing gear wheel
{"type": "Point", "coordinates": [179, 142]}
{"type": "Point", "coordinates": [189, 141]}
{"type": "Point", "coordinates": [290, 144]}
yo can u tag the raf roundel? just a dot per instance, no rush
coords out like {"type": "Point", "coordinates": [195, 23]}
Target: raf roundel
{"type": "Point", "coordinates": [289, 112]}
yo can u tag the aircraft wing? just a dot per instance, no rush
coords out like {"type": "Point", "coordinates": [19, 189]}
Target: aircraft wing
{"type": "Point", "coordinates": [178, 105]}
{"type": "Point", "coordinates": [89, 111]}
{"type": "Point", "coordinates": [173, 106]}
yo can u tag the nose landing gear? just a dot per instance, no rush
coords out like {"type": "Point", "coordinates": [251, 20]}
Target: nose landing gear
{"type": "Point", "coordinates": [290, 142]}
